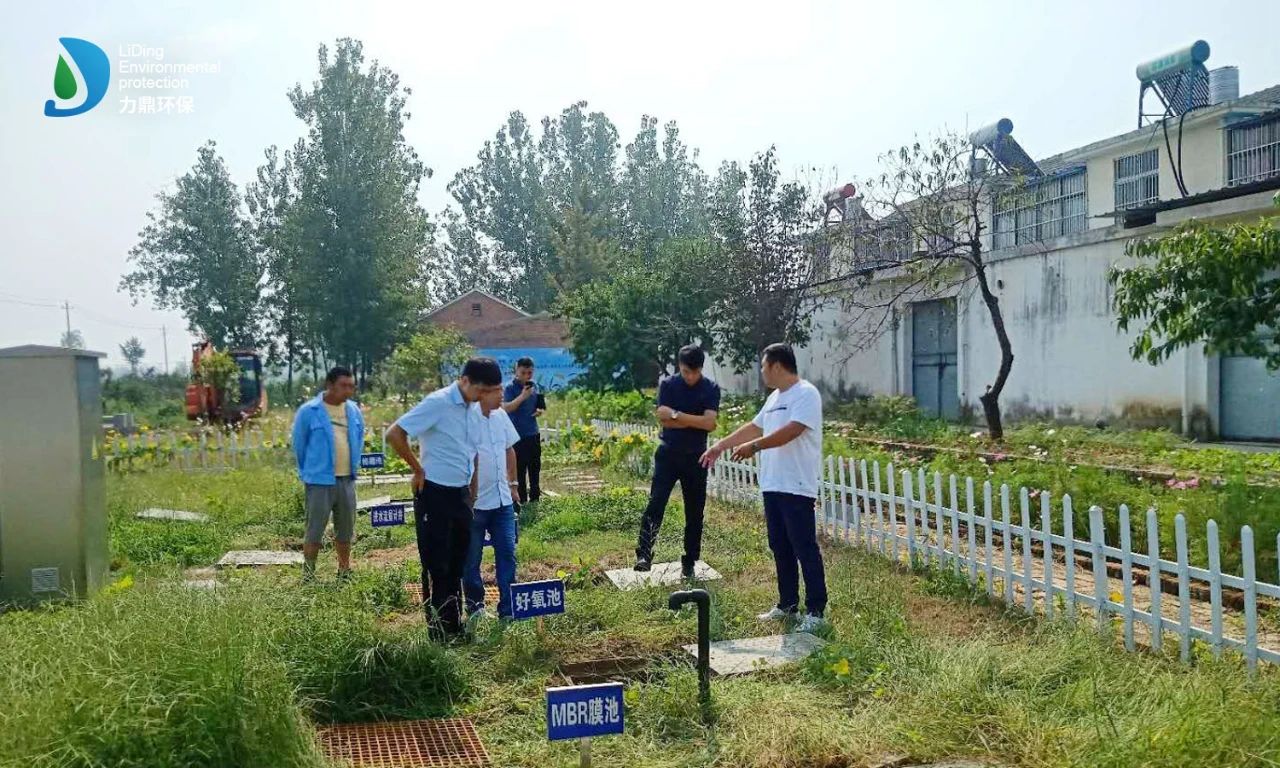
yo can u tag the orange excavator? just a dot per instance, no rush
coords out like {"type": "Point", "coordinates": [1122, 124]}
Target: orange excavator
{"type": "Point", "coordinates": [205, 402]}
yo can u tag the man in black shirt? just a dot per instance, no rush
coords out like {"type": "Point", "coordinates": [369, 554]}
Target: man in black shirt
{"type": "Point", "coordinates": [687, 407]}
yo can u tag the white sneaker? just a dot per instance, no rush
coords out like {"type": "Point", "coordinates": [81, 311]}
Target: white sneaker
{"type": "Point", "coordinates": [775, 614]}
{"type": "Point", "coordinates": [810, 623]}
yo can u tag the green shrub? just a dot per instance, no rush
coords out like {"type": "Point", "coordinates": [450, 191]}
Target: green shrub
{"type": "Point", "coordinates": [161, 675]}
{"type": "Point", "coordinates": [152, 542]}
{"type": "Point", "coordinates": [616, 509]}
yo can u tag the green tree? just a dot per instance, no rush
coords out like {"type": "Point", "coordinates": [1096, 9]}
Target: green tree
{"type": "Point", "coordinates": [195, 255]}
{"type": "Point", "coordinates": [426, 360]}
{"type": "Point", "coordinates": [919, 233]}
{"type": "Point", "coordinates": [625, 329]}
{"type": "Point", "coordinates": [583, 250]}
{"type": "Point", "coordinates": [503, 199]}
{"type": "Point", "coordinates": [220, 371]}
{"type": "Point", "coordinates": [269, 199]}
{"type": "Point", "coordinates": [133, 352]}
{"type": "Point", "coordinates": [72, 339]}
{"type": "Point", "coordinates": [665, 192]}
{"type": "Point", "coordinates": [763, 230]}
{"type": "Point", "coordinates": [461, 263]}
{"type": "Point", "coordinates": [1219, 285]}
{"type": "Point", "coordinates": [361, 237]}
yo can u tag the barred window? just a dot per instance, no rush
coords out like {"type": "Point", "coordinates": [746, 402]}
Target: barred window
{"type": "Point", "coordinates": [1137, 179]}
{"type": "Point", "coordinates": [1040, 210]}
{"type": "Point", "coordinates": [1253, 152]}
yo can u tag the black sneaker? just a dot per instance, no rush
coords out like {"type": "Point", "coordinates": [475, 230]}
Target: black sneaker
{"type": "Point", "coordinates": [643, 564]}
{"type": "Point", "coordinates": [686, 571]}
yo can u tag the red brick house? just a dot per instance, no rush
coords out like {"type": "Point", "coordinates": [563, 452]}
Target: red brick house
{"type": "Point", "coordinates": [506, 333]}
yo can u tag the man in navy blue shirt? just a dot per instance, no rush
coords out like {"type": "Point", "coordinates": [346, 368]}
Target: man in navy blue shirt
{"type": "Point", "coordinates": [687, 409]}
{"type": "Point", "coordinates": [521, 404]}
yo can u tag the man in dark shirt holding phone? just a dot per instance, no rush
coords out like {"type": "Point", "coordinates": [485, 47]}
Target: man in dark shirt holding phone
{"type": "Point", "coordinates": [687, 410]}
{"type": "Point", "coordinates": [524, 404]}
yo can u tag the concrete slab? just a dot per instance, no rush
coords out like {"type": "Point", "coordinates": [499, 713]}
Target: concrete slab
{"type": "Point", "coordinates": [156, 513]}
{"type": "Point", "coordinates": [382, 479]}
{"type": "Point", "coordinates": [258, 557]}
{"type": "Point", "coordinates": [662, 575]}
{"type": "Point", "coordinates": [752, 654]}
{"type": "Point", "coordinates": [375, 501]}
{"type": "Point", "coordinates": [551, 493]}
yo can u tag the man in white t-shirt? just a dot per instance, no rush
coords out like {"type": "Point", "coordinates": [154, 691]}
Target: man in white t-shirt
{"type": "Point", "coordinates": [787, 434]}
{"type": "Point", "coordinates": [495, 511]}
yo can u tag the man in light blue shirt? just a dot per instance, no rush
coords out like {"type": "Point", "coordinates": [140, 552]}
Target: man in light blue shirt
{"type": "Point", "coordinates": [328, 436]}
{"type": "Point", "coordinates": [447, 426]}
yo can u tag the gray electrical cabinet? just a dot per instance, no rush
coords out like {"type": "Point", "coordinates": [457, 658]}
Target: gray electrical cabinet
{"type": "Point", "coordinates": [53, 517]}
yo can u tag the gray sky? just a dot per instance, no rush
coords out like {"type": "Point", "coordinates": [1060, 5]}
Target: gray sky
{"type": "Point", "coordinates": [832, 84]}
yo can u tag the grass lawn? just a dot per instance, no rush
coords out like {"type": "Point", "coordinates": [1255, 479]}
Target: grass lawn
{"type": "Point", "coordinates": [150, 673]}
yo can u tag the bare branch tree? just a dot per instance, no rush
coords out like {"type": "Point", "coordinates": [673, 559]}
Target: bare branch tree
{"type": "Point", "coordinates": [918, 232]}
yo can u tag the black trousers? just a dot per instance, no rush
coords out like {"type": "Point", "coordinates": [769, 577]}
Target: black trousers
{"type": "Point", "coordinates": [529, 468]}
{"type": "Point", "coordinates": [442, 519]}
{"type": "Point", "coordinates": [669, 467]}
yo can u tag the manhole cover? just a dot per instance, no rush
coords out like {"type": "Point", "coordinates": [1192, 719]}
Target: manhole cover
{"type": "Point", "coordinates": [740, 657]}
{"type": "Point", "coordinates": [405, 744]}
{"type": "Point", "coordinates": [662, 574]}
{"type": "Point", "coordinates": [173, 514]}
{"type": "Point", "coordinates": [237, 558]}
{"type": "Point", "coordinates": [595, 671]}
{"type": "Point", "coordinates": [414, 588]}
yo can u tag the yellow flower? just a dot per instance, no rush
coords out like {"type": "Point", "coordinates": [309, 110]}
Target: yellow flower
{"type": "Point", "coordinates": [840, 668]}
{"type": "Point", "coordinates": [120, 585]}
{"type": "Point", "coordinates": [598, 452]}
{"type": "Point", "coordinates": [630, 697]}
{"type": "Point", "coordinates": [1116, 597]}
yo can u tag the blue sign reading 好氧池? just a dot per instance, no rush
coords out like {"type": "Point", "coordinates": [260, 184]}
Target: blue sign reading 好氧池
{"type": "Point", "coordinates": [373, 460]}
{"type": "Point", "coordinates": [580, 711]}
{"type": "Point", "coordinates": [537, 598]}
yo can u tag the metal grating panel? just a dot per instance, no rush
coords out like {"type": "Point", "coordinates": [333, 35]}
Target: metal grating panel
{"type": "Point", "coordinates": [1137, 179]}
{"type": "Point", "coordinates": [1041, 210]}
{"type": "Point", "coordinates": [405, 744]}
{"type": "Point", "coordinates": [1253, 152]}
{"type": "Point", "coordinates": [44, 580]}
{"type": "Point", "coordinates": [414, 589]}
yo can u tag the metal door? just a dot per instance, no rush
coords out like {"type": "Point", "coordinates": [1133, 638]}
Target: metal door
{"type": "Point", "coordinates": [1249, 397]}
{"type": "Point", "coordinates": [933, 358]}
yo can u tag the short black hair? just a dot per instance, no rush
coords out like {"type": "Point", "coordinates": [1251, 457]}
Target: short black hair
{"type": "Point", "coordinates": [483, 371]}
{"type": "Point", "coordinates": [692, 356]}
{"type": "Point", "coordinates": [782, 354]}
{"type": "Point", "coordinates": [524, 362]}
{"type": "Point", "coordinates": [337, 372]}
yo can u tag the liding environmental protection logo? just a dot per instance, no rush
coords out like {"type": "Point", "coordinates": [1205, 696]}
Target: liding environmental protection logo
{"type": "Point", "coordinates": [95, 77]}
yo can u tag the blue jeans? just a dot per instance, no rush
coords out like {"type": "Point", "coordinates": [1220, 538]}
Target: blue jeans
{"type": "Point", "coordinates": [501, 525]}
{"type": "Point", "coordinates": [793, 538]}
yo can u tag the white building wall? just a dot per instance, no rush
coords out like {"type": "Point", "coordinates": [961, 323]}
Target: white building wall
{"type": "Point", "coordinates": [1070, 362]}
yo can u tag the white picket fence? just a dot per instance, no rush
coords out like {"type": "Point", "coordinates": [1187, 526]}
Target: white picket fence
{"type": "Point", "coordinates": [205, 449]}
{"type": "Point", "coordinates": [1002, 546]}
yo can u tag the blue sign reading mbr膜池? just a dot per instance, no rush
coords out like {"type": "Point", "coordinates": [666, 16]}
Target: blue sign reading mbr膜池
{"type": "Point", "coordinates": [579, 711]}
{"type": "Point", "coordinates": [537, 598]}
{"type": "Point", "coordinates": [373, 460]}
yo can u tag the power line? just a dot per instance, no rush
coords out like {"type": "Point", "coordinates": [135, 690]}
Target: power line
{"type": "Point", "coordinates": [30, 303]}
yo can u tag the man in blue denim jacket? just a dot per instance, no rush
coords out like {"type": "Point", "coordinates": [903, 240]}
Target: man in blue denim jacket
{"type": "Point", "coordinates": [328, 437]}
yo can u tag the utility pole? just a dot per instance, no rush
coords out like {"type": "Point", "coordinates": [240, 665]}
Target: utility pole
{"type": "Point", "coordinates": [66, 305]}
{"type": "Point", "coordinates": [164, 335]}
